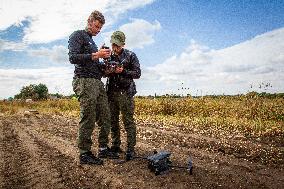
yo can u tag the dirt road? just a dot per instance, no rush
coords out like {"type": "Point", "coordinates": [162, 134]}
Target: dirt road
{"type": "Point", "coordinates": [39, 151]}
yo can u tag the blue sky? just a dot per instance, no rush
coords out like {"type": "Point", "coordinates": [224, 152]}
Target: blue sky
{"type": "Point", "coordinates": [207, 47]}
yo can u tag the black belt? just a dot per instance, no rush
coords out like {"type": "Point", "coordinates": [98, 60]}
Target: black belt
{"type": "Point", "coordinates": [78, 77]}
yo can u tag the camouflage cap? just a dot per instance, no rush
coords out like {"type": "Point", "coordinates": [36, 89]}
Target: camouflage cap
{"type": "Point", "coordinates": [118, 38]}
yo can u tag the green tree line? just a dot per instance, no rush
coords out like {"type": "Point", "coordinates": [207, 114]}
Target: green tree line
{"type": "Point", "coordinates": [32, 91]}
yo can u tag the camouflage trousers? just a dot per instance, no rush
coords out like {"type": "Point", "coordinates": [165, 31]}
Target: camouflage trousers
{"type": "Point", "coordinates": [121, 102]}
{"type": "Point", "coordinates": [93, 108]}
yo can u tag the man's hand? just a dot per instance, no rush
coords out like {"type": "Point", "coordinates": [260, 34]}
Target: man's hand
{"type": "Point", "coordinates": [118, 69]}
{"type": "Point", "coordinates": [107, 72]}
{"type": "Point", "coordinates": [102, 53]}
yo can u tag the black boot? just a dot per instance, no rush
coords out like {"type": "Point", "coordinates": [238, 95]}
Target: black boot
{"type": "Point", "coordinates": [107, 153]}
{"type": "Point", "coordinates": [89, 158]}
{"type": "Point", "coordinates": [116, 149]}
{"type": "Point", "coordinates": [129, 155]}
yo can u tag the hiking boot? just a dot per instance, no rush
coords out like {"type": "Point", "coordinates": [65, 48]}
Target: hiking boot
{"type": "Point", "coordinates": [129, 155]}
{"type": "Point", "coordinates": [107, 153]}
{"type": "Point", "coordinates": [116, 149]}
{"type": "Point", "coordinates": [89, 158]}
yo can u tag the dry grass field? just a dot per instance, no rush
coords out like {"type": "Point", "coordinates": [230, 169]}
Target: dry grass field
{"type": "Point", "coordinates": [234, 142]}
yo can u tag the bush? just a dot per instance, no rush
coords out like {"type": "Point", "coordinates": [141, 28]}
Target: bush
{"type": "Point", "coordinates": [32, 91]}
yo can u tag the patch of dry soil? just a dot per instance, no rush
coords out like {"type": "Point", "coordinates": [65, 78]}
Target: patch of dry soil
{"type": "Point", "coordinates": [39, 151]}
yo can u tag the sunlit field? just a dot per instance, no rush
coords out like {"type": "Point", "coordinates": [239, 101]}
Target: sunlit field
{"type": "Point", "coordinates": [249, 116]}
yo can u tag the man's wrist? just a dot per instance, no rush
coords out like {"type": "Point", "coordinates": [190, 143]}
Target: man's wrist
{"type": "Point", "coordinates": [95, 56]}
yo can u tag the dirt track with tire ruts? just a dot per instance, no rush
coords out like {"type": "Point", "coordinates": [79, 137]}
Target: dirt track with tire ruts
{"type": "Point", "coordinates": [39, 151]}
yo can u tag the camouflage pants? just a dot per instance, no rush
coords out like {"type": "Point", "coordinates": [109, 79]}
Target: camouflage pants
{"type": "Point", "coordinates": [93, 108]}
{"type": "Point", "coordinates": [121, 102]}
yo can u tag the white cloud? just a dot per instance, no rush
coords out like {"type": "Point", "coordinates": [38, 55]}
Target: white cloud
{"type": "Point", "coordinates": [57, 79]}
{"type": "Point", "coordinates": [13, 46]}
{"type": "Point", "coordinates": [57, 54]}
{"type": "Point", "coordinates": [231, 70]}
{"type": "Point", "coordinates": [52, 20]}
{"type": "Point", "coordinates": [139, 33]}
{"type": "Point", "coordinates": [177, 68]}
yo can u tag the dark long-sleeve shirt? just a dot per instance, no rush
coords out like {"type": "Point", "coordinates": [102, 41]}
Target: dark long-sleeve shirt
{"type": "Point", "coordinates": [131, 70]}
{"type": "Point", "coordinates": [81, 46]}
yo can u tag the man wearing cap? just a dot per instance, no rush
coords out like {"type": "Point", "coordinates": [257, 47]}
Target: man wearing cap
{"type": "Point", "coordinates": [121, 90]}
{"type": "Point", "coordinates": [87, 84]}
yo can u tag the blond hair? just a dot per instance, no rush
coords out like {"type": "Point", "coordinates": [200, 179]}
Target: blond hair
{"type": "Point", "coordinates": [96, 15]}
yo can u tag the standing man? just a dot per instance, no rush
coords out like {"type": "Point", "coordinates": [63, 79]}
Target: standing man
{"type": "Point", "coordinates": [87, 84]}
{"type": "Point", "coordinates": [121, 89]}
